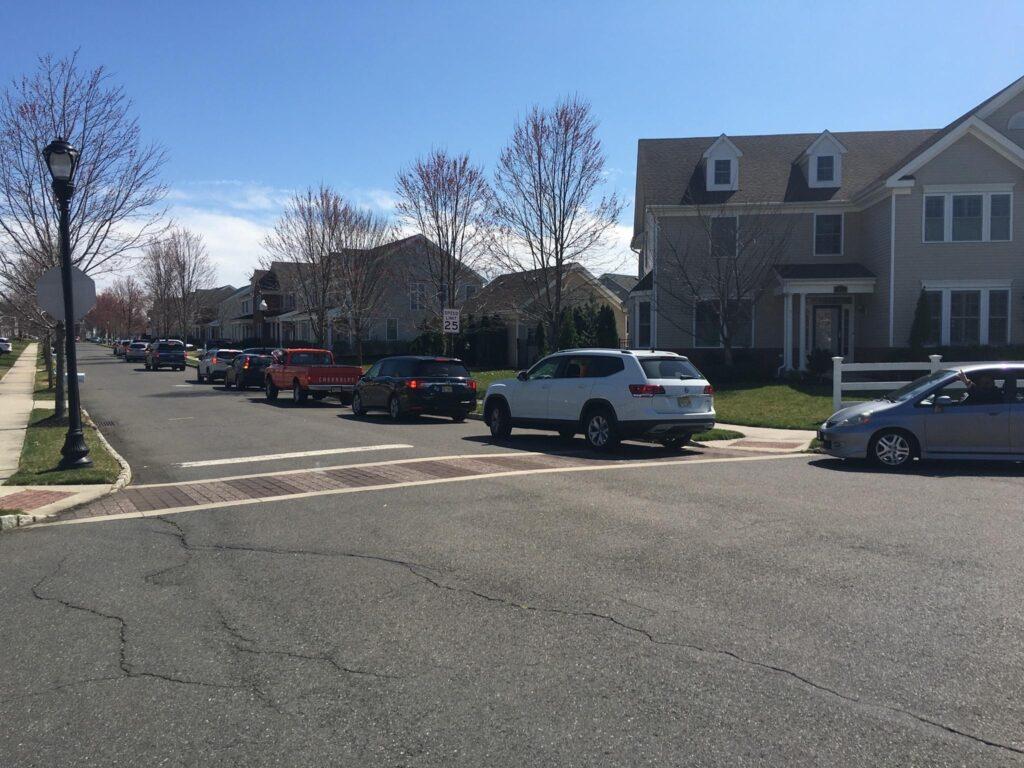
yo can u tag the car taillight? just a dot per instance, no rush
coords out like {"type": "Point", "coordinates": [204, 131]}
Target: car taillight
{"type": "Point", "coordinates": [646, 390]}
{"type": "Point", "coordinates": [413, 384]}
{"type": "Point", "coordinates": [709, 390]}
{"type": "Point", "coordinates": [472, 384]}
{"type": "Point", "coordinates": [245, 365]}
{"type": "Point", "coordinates": [213, 360]}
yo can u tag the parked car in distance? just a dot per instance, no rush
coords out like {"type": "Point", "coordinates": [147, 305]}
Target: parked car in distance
{"type": "Point", "coordinates": [165, 353]}
{"type": "Point", "coordinates": [120, 345]}
{"type": "Point", "coordinates": [309, 372]}
{"type": "Point", "coordinates": [608, 395]}
{"type": "Point", "coordinates": [135, 352]}
{"type": "Point", "coordinates": [414, 385]}
{"type": "Point", "coordinates": [5, 345]}
{"type": "Point", "coordinates": [213, 364]}
{"type": "Point", "coordinates": [976, 412]}
{"type": "Point", "coordinates": [247, 370]}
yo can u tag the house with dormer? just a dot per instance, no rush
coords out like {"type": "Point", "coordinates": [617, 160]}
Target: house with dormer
{"type": "Point", "coordinates": [873, 221]}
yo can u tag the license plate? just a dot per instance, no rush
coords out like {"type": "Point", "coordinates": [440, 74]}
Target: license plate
{"type": "Point", "coordinates": [446, 388]}
{"type": "Point", "coordinates": [683, 400]}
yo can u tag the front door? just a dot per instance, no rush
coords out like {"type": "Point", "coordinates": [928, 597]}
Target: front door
{"type": "Point", "coordinates": [828, 329]}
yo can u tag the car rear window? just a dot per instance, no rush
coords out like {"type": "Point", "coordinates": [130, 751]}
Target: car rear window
{"type": "Point", "coordinates": [310, 358]}
{"type": "Point", "coordinates": [170, 346]}
{"type": "Point", "coordinates": [226, 354]}
{"type": "Point", "coordinates": [139, 345]}
{"type": "Point", "coordinates": [668, 368]}
{"type": "Point", "coordinates": [441, 368]}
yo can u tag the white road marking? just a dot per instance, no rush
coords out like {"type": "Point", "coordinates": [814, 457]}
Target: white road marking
{"type": "Point", "coordinates": [296, 455]}
{"type": "Point", "coordinates": [411, 483]}
{"type": "Point", "coordinates": [190, 386]}
{"type": "Point", "coordinates": [181, 418]}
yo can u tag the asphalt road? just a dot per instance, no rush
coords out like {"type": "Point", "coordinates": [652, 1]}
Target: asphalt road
{"type": "Point", "coordinates": [790, 611]}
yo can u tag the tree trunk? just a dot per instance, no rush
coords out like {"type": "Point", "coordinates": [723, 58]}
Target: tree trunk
{"type": "Point", "coordinates": [59, 398]}
{"type": "Point", "coordinates": [48, 358]}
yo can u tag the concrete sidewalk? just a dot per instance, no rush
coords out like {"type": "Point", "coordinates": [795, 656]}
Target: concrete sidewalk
{"type": "Point", "coordinates": [767, 438]}
{"type": "Point", "coordinates": [15, 408]}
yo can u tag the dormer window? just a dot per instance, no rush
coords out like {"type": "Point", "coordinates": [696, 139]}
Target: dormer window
{"type": "Point", "coordinates": [823, 162]}
{"type": "Point", "coordinates": [722, 165]}
{"type": "Point", "coordinates": [723, 172]}
{"type": "Point", "coordinates": [825, 168]}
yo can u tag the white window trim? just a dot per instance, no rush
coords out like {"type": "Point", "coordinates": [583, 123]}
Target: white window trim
{"type": "Point", "coordinates": [720, 345]}
{"type": "Point", "coordinates": [842, 234]}
{"type": "Point", "coordinates": [417, 295]}
{"type": "Point", "coordinates": [734, 172]}
{"type": "Point", "coordinates": [837, 171]}
{"type": "Point", "coordinates": [946, 287]}
{"type": "Point", "coordinates": [947, 192]}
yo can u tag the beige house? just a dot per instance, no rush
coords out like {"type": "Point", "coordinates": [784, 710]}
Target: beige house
{"type": "Point", "coordinates": [514, 298]}
{"type": "Point", "coordinates": [870, 219]}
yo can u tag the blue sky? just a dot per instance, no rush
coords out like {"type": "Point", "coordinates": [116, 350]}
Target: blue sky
{"type": "Point", "coordinates": [253, 100]}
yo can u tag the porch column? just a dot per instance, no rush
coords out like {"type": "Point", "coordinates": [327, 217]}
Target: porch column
{"type": "Point", "coordinates": [852, 336]}
{"type": "Point", "coordinates": [803, 332]}
{"type": "Point", "coordinates": [787, 332]}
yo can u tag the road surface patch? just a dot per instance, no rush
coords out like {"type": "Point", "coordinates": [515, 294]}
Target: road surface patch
{"type": "Point", "coordinates": [169, 498]}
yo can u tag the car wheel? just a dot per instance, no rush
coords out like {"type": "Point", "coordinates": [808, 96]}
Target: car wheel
{"type": "Point", "coordinates": [271, 390]}
{"type": "Point", "coordinates": [892, 449]}
{"type": "Point", "coordinates": [298, 393]}
{"type": "Point", "coordinates": [357, 405]}
{"type": "Point", "coordinates": [600, 430]}
{"type": "Point", "coordinates": [500, 420]}
{"type": "Point", "coordinates": [227, 384]}
{"type": "Point", "coordinates": [394, 408]}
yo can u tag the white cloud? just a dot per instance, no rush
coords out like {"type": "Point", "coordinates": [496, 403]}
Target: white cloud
{"type": "Point", "coordinates": [234, 242]}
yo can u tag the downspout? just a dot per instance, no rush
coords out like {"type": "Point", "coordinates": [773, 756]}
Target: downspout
{"type": "Point", "coordinates": [892, 265]}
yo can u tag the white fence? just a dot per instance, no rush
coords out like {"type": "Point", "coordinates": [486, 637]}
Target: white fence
{"type": "Point", "coordinates": [839, 386]}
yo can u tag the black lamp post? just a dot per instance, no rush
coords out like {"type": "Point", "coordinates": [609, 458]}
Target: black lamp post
{"type": "Point", "coordinates": [62, 159]}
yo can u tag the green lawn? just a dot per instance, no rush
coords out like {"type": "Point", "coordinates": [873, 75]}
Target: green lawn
{"type": "Point", "coordinates": [8, 358]}
{"type": "Point", "coordinates": [785, 406]}
{"type": "Point", "coordinates": [717, 434]}
{"type": "Point", "coordinates": [40, 455]}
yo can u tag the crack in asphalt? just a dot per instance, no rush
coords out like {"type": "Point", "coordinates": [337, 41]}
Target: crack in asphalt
{"type": "Point", "coordinates": [649, 636]}
{"type": "Point", "coordinates": [317, 657]}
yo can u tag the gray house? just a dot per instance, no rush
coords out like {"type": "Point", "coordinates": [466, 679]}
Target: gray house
{"type": "Point", "coordinates": [863, 222]}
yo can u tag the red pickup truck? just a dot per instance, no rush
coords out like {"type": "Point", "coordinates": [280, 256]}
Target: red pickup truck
{"type": "Point", "coordinates": [310, 372]}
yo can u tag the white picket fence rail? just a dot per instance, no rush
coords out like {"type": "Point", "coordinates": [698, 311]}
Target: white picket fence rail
{"type": "Point", "coordinates": [839, 386]}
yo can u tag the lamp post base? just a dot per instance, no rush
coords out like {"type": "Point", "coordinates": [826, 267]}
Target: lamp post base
{"type": "Point", "coordinates": [75, 452]}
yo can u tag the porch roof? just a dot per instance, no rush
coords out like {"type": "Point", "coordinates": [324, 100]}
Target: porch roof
{"type": "Point", "coordinates": [825, 278]}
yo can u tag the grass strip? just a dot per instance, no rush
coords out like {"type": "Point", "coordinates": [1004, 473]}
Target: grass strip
{"type": "Point", "coordinates": [40, 455]}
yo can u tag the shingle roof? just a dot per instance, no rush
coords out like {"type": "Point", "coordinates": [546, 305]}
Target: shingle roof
{"type": "Point", "coordinates": [620, 285]}
{"type": "Point", "coordinates": [822, 271]}
{"type": "Point", "coordinates": [511, 292]}
{"type": "Point", "coordinates": [670, 171]}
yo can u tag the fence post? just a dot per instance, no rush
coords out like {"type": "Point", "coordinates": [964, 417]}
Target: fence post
{"type": "Point", "coordinates": [837, 383]}
{"type": "Point", "coordinates": [936, 359]}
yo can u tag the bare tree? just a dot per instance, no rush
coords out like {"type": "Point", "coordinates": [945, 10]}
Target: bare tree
{"type": "Point", "coordinates": [362, 270]}
{"type": "Point", "coordinates": [447, 199]}
{"type": "Point", "coordinates": [723, 260]}
{"type": "Point", "coordinates": [307, 235]}
{"type": "Point", "coordinates": [546, 204]}
{"type": "Point", "coordinates": [131, 302]}
{"type": "Point", "coordinates": [114, 209]}
{"type": "Point", "coordinates": [191, 271]}
{"type": "Point", "coordinates": [158, 277]}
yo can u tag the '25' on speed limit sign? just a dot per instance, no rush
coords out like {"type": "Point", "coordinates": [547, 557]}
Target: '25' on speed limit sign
{"type": "Point", "coordinates": [451, 321]}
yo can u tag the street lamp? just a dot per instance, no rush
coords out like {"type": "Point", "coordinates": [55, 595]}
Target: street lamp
{"type": "Point", "coordinates": [262, 308]}
{"type": "Point", "coordinates": [62, 160]}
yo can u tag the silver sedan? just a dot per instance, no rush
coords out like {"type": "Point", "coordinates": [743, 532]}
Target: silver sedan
{"type": "Point", "coordinates": [976, 412]}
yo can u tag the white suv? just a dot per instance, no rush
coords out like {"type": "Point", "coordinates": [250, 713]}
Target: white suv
{"type": "Point", "coordinates": [606, 394]}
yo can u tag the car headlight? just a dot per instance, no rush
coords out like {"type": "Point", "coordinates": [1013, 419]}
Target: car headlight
{"type": "Point", "coordinates": [855, 421]}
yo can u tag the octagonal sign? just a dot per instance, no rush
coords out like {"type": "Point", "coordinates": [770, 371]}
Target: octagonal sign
{"type": "Point", "coordinates": [50, 293]}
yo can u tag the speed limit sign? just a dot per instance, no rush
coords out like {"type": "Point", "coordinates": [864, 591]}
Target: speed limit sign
{"type": "Point", "coordinates": [451, 321]}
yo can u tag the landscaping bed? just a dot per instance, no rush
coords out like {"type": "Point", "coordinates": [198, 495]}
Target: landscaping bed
{"type": "Point", "coordinates": [40, 455]}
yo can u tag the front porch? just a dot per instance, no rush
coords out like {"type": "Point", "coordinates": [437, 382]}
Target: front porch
{"type": "Point", "coordinates": [820, 305]}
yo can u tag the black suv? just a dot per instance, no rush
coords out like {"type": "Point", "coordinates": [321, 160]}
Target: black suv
{"type": "Point", "coordinates": [414, 385]}
{"type": "Point", "coordinates": [247, 370]}
{"type": "Point", "coordinates": [165, 353]}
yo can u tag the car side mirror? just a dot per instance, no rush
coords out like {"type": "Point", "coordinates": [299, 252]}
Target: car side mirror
{"type": "Point", "coordinates": [942, 401]}
{"type": "Point", "coordinates": [521, 375]}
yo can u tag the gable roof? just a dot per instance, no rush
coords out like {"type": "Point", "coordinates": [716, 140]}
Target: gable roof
{"type": "Point", "coordinates": [513, 292]}
{"type": "Point", "coordinates": [670, 171]}
{"type": "Point", "coordinates": [620, 285]}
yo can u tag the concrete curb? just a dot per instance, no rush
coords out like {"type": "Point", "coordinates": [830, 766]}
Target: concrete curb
{"type": "Point", "coordinates": [125, 475]}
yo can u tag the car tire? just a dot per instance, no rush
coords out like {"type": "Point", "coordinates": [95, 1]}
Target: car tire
{"type": "Point", "coordinates": [394, 408]}
{"type": "Point", "coordinates": [459, 417]}
{"type": "Point", "coordinates": [357, 405]}
{"type": "Point", "coordinates": [199, 376]}
{"type": "Point", "coordinates": [892, 449]}
{"type": "Point", "coordinates": [675, 443]}
{"type": "Point", "coordinates": [227, 384]}
{"type": "Point", "coordinates": [499, 419]}
{"type": "Point", "coordinates": [299, 395]}
{"type": "Point", "coordinates": [600, 430]}
{"type": "Point", "coordinates": [271, 390]}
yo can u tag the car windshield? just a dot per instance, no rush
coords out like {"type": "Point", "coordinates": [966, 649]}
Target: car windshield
{"type": "Point", "coordinates": [917, 387]}
{"type": "Point", "coordinates": [310, 358]}
{"type": "Point", "coordinates": [668, 368]}
{"type": "Point", "coordinates": [441, 368]}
